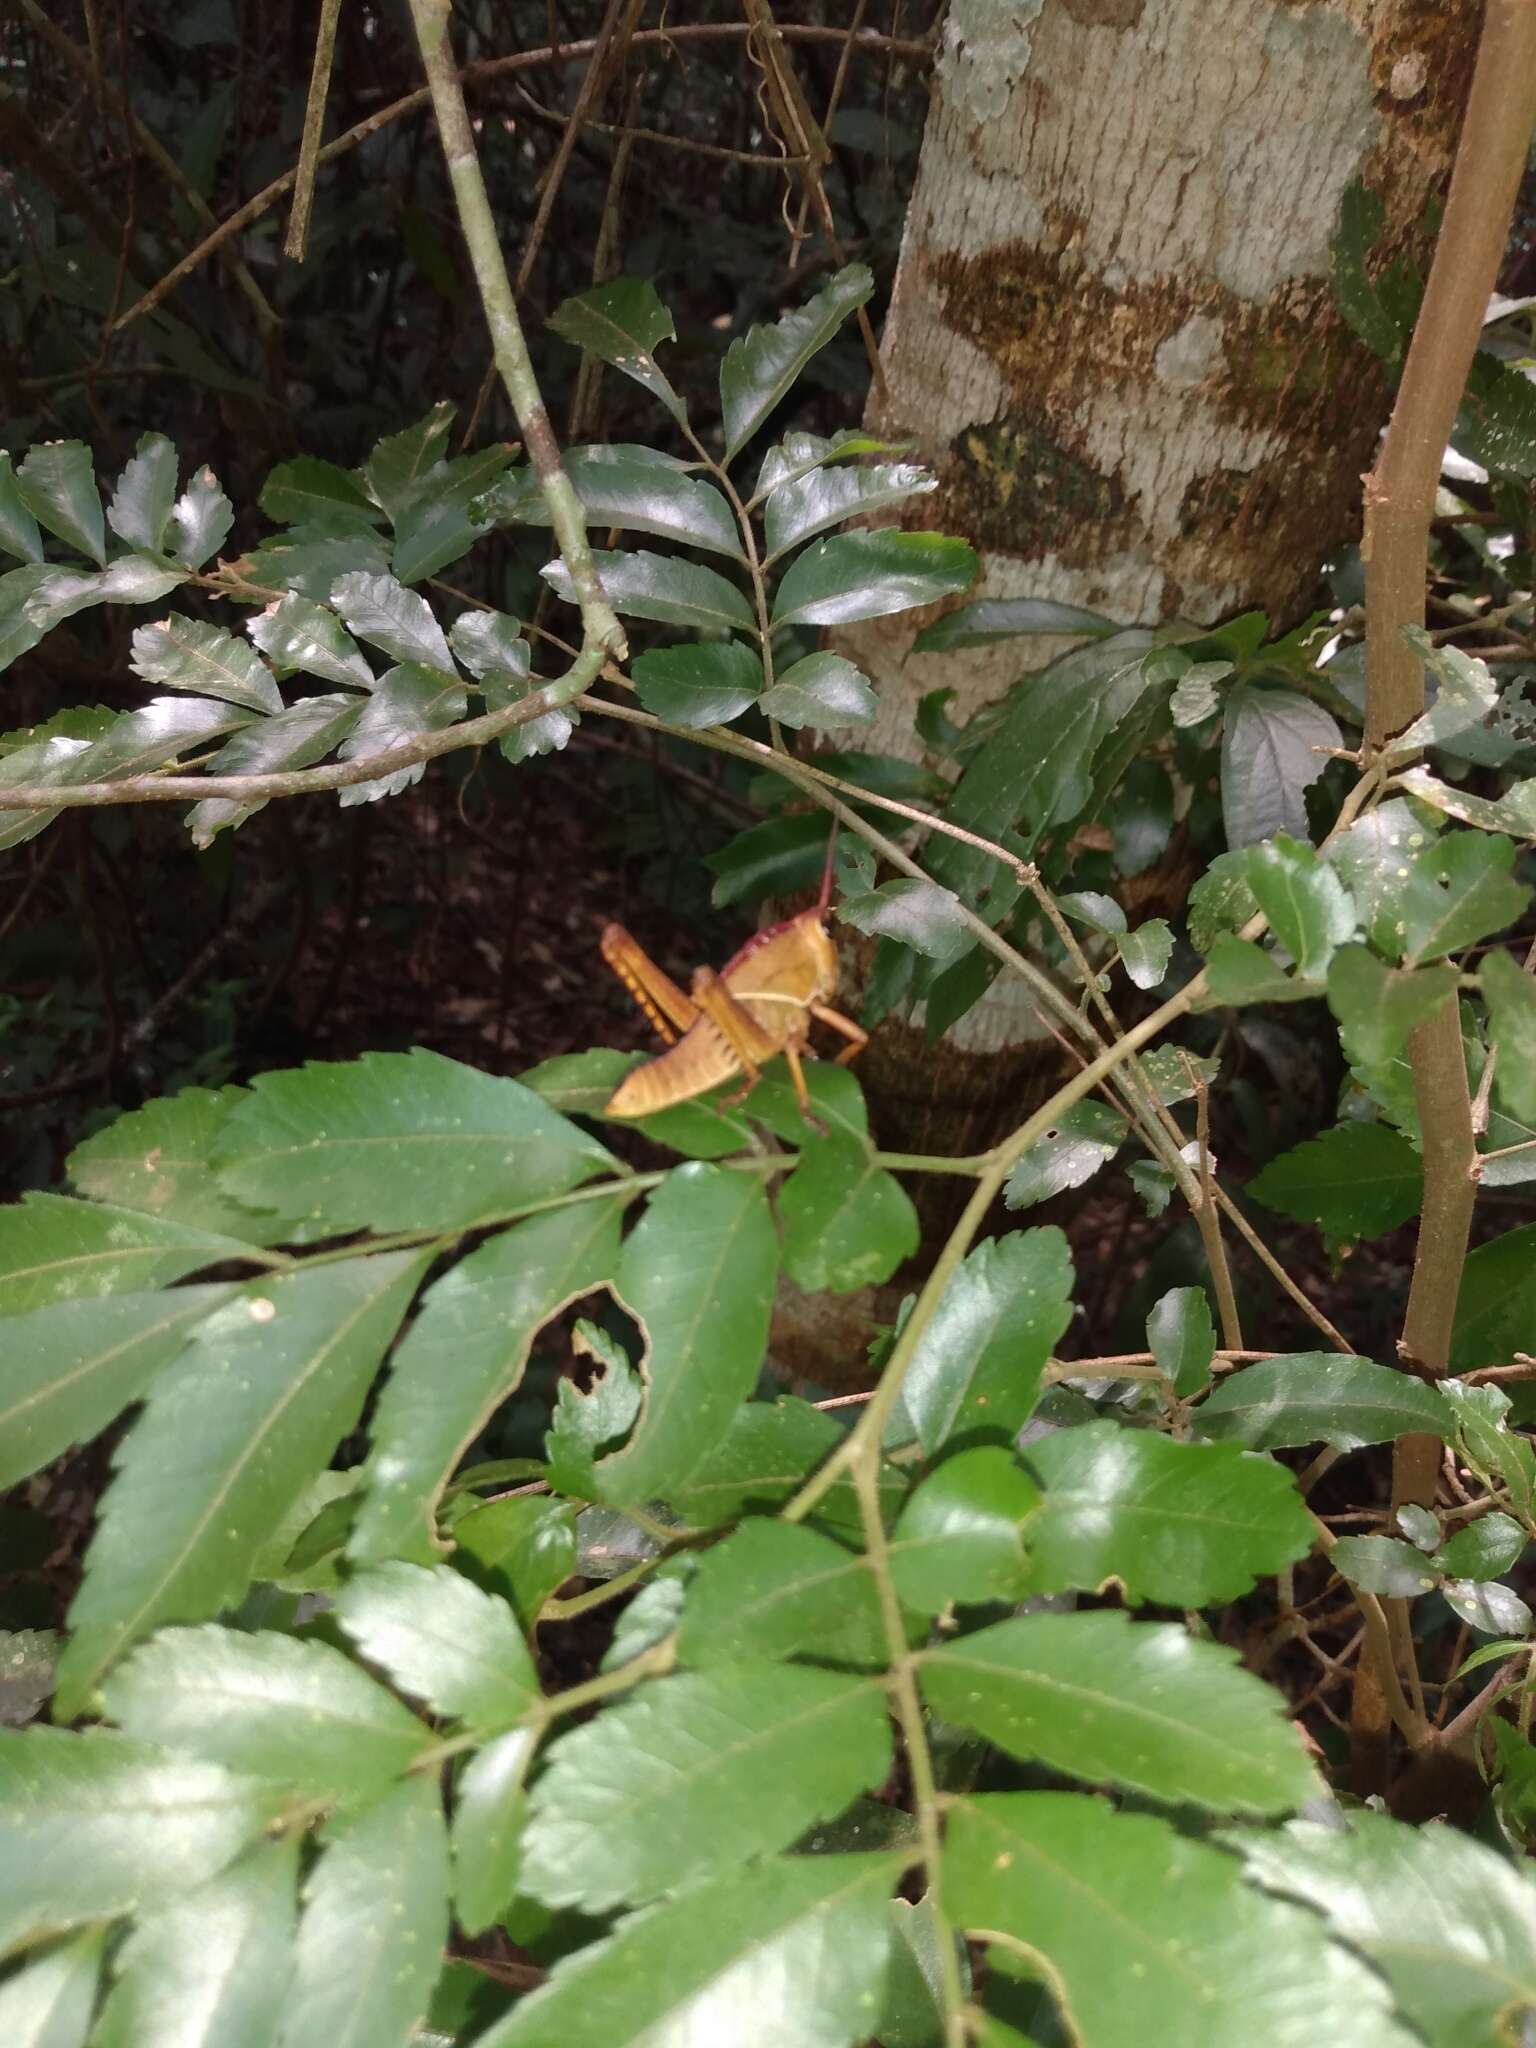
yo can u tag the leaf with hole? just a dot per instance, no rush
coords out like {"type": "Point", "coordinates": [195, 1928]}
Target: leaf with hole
{"type": "Point", "coordinates": [1083, 1139]}
{"type": "Point", "coordinates": [1381, 1564]}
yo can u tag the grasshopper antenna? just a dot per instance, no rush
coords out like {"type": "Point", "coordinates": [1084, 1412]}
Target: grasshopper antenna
{"type": "Point", "coordinates": [824, 900]}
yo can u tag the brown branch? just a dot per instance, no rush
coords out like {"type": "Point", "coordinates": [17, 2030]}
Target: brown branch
{"type": "Point", "coordinates": [314, 126]}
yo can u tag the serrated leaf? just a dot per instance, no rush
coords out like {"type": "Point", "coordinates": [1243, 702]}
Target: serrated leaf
{"type": "Point", "coordinates": [380, 610]}
{"type": "Point", "coordinates": [587, 1423]}
{"type": "Point", "coordinates": [826, 496]}
{"type": "Point", "coordinates": [762, 364]}
{"type": "Point", "coordinates": [1182, 1339]}
{"type": "Point", "coordinates": [638, 497]}
{"type": "Point", "coordinates": [1373, 856]}
{"type": "Point", "coordinates": [463, 1355]}
{"type": "Point", "coordinates": [18, 632]}
{"type": "Point", "coordinates": [779, 855]}
{"type": "Point", "coordinates": [698, 1275]}
{"type": "Point", "coordinates": [1496, 421]}
{"type": "Point", "coordinates": [1466, 695]}
{"type": "Point", "coordinates": [153, 736]}
{"type": "Point", "coordinates": [208, 1971]}
{"type": "Point", "coordinates": [447, 513]}
{"type": "Point", "coordinates": [200, 520]}
{"type": "Point", "coordinates": [300, 637]}
{"type": "Point", "coordinates": [155, 1159]}
{"type": "Point", "coordinates": [821, 691]}
{"type": "Point", "coordinates": [791, 1950]}
{"type": "Point", "coordinates": [1051, 1871]}
{"type": "Point", "coordinates": [145, 492]}
{"type": "Point", "coordinates": [312, 490]}
{"type": "Point", "coordinates": [53, 1248]}
{"type": "Point", "coordinates": [57, 485]}
{"type": "Point", "coordinates": [777, 1589]}
{"type": "Point", "coordinates": [991, 619]}
{"type": "Point", "coordinates": [375, 1922]}
{"type": "Point", "coordinates": [622, 323]}
{"type": "Point", "coordinates": [1459, 890]}
{"type": "Point", "coordinates": [269, 1707]}
{"type": "Point", "coordinates": [525, 1547]}
{"type": "Point", "coordinates": [1304, 900]}
{"type": "Point", "coordinates": [766, 1452]}
{"type": "Point", "coordinates": [1484, 1549]}
{"type": "Point", "coordinates": [847, 1223]}
{"type": "Point", "coordinates": [399, 462]}
{"type": "Point", "coordinates": [1269, 757]}
{"type": "Point", "coordinates": [72, 1367]}
{"type": "Point", "coordinates": [666, 588]}
{"type": "Point", "coordinates": [443, 1639]}
{"type": "Point", "coordinates": [976, 1370]}
{"type": "Point", "coordinates": [131, 579]}
{"type": "Point", "coordinates": [1185, 1525]}
{"type": "Point", "coordinates": [18, 529]}
{"type": "Point", "coordinates": [1240, 972]}
{"type": "Point", "coordinates": [1147, 951]}
{"type": "Point", "coordinates": [960, 1536]}
{"type": "Point", "coordinates": [707, 684]}
{"type": "Point", "coordinates": [1083, 1139]}
{"type": "Point", "coordinates": [1496, 1307]}
{"type": "Point", "coordinates": [868, 575]}
{"type": "Point", "coordinates": [406, 702]}
{"type": "Point", "coordinates": [398, 1141]}
{"type": "Point", "coordinates": [49, 2003]}
{"type": "Point", "coordinates": [1106, 1699]}
{"type": "Point", "coordinates": [490, 1810]}
{"type": "Point", "coordinates": [1492, 1609]}
{"type": "Point", "coordinates": [1357, 1180]}
{"type": "Point", "coordinates": [919, 914]}
{"type": "Point", "coordinates": [1221, 901]}
{"type": "Point", "coordinates": [95, 1825]}
{"type": "Point", "coordinates": [1313, 1397]}
{"type": "Point", "coordinates": [1377, 1006]}
{"type": "Point", "coordinates": [294, 738]}
{"type": "Point", "coordinates": [263, 1393]}
{"type": "Point", "coordinates": [183, 654]}
{"type": "Point", "coordinates": [1511, 998]}
{"type": "Point", "coordinates": [1381, 1564]}
{"type": "Point", "coordinates": [310, 559]}
{"type": "Point", "coordinates": [1485, 1441]}
{"type": "Point", "coordinates": [695, 1774]}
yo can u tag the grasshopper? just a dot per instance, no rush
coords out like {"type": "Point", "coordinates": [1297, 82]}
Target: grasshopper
{"type": "Point", "coordinates": [760, 1003]}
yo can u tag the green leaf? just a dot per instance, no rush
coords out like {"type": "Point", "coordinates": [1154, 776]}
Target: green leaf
{"type": "Point", "coordinates": [1083, 1139]}
{"type": "Point", "coordinates": [698, 1276]}
{"type": "Point", "coordinates": [622, 323]}
{"type": "Point", "coordinates": [868, 575]}
{"type": "Point", "coordinates": [960, 1536]}
{"type": "Point", "coordinates": [1511, 998]}
{"type": "Point", "coordinates": [153, 736]}
{"type": "Point", "coordinates": [1185, 1525]}
{"type": "Point", "coordinates": [310, 559]}
{"type": "Point", "coordinates": [200, 520]}
{"type": "Point", "coordinates": [1492, 1653]}
{"type": "Point", "coordinates": [762, 364]}
{"type": "Point", "coordinates": [96, 1825]}
{"type": "Point", "coordinates": [666, 588]}
{"type": "Point", "coordinates": [58, 487]}
{"type": "Point", "coordinates": [793, 1950]}
{"type": "Point", "coordinates": [1195, 696]}
{"type": "Point", "coordinates": [1380, 1564]}
{"type": "Point", "coordinates": [1182, 1339]}
{"type": "Point", "coordinates": [55, 1249]}
{"type": "Point", "coordinates": [208, 1970]}
{"type": "Point", "coordinates": [707, 684]}
{"type": "Point", "coordinates": [182, 654]}
{"type": "Point", "coordinates": [1496, 422]}
{"type": "Point", "coordinates": [1449, 1922]}
{"type": "Point", "coordinates": [821, 691]}
{"type": "Point", "coordinates": [1106, 1699]}
{"type": "Point", "coordinates": [977, 1366]}
{"type": "Point", "coordinates": [1492, 1609]}
{"type": "Point", "coordinates": [1357, 1180]}
{"type": "Point", "coordinates": [447, 513]}
{"type": "Point", "coordinates": [1196, 1955]}
{"type": "Point", "coordinates": [400, 462]}
{"type": "Point", "coordinates": [131, 579]}
{"type": "Point", "coordinates": [991, 619]}
{"type": "Point", "coordinates": [1361, 218]}
{"type": "Point", "coordinates": [1304, 900]}
{"type": "Point", "coordinates": [268, 1706]}
{"type": "Point", "coordinates": [921, 915]}
{"type": "Point", "coordinates": [847, 1223]}
{"type": "Point", "coordinates": [1221, 901]}
{"type": "Point", "coordinates": [1147, 952]}
{"type": "Point", "coordinates": [773, 858]}
{"type": "Point", "coordinates": [1241, 972]}
{"type": "Point", "coordinates": [489, 1813]}
{"type": "Point", "coordinates": [1269, 757]}
{"type": "Point", "coordinates": [254, 1406]}
{"type": "Point", "coordinates": [399, 1141]}
{"type": "Point", "coordinates": [407, 702]}
{"type": "Point", "coordinates": [155, 1159]}
{"type": "Point", "coordinates": [443, 1639]}
{"type": "Point", "coordinates": [1372, 856]}
{"type": "Point", "coordinates": [49, 2004]}
{"type": "Point", "coordinates": [380, 610]}
{"type": "Point", "coordinates": [375, 1924]}
{"type": "Point", "coordinates": [18, 631]}
{"type": "Point", "coordinates": [1485, 1441]}
{"type": "Point", "coordinates": [1457, 891]}
{"type": "Point", "coordinates": [145, 493]}
{"type": "Point", "coordinates": [462, 1356]}
{"type": "Point", "coordinates": [18, 529]}
{"type": "Point", "coordinates": [586, 1423]}
{"type": "Point", "coordinates": [639, 497]}
{"type": "Point", "coordinates": [1465, 698]}
{"type": "Point", "coordinates": [296, 738]}
{"type": "Point", "coordinates": [1377, 1006]}
{"type": "Point", "coordinates": [300, 637]}
{"type": "Point", "coordinates": [1484, 1549]}
{"type": "Point", "coordinates": [768, 1449]}
{"type": "Point", "coordinates": [309, 489]}
{"type": "Point", "coordinates": [1496, 1308]}
{"type": "Point", "coordinates": [778, 1589]}
{"type": "Point", "coordinates": [1313, 1397]}
{"type": "Point", "coordinates": [72, 1367]}
{"type": "Point", "coordinates": [695, 1774]}
{"type": "Point", "coordinates": [825, 496]}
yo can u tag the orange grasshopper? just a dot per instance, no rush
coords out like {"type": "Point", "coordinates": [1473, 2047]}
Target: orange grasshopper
{"type": "Point", "coordinates": [760, 1003]}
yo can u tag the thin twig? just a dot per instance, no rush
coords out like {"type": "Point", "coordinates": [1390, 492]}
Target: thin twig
{"type": "Point", "coordinates": [314, 127]}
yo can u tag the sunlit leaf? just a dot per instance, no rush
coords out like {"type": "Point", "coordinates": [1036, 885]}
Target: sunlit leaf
{"type": "Point", "coordinates": [778, 1589]}
{"type": "Point", "coordinates": [960, 1536]}
{"type": "Point", "coordinates": [49, 2003]}
{"type": "Point", "coordinates": [1082, 1139]}
{"type": "Point", "coordinates": [53, 1248]}
{"type": "Point", "coordinates": [489, 1813]}
{"type": "Point", "coordinates": [443, 1639]}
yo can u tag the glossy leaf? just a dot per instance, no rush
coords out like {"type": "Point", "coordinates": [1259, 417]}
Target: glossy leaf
{"type": "Point", "coordinates": [1147, 951]}
{"type": "Point", "coordinates": [1182, 1338]}
{"type": "Point", "coordinates": [49, 2003]}
{"type": "Point", "coordinates": [1241, 972]}
{"type": "Point", "coordinates": [398, 464]}
{"type": "Point", "coordinates": [269, 1707]}
{"type": "Point", "coordinates": [375, 1923]}
{"type": "Point", "coordinates": [639, 497]}
{"type": "Point", "coordinates": [777, 1589]}
{"type": "Point", "coordinates": [706, 684]}
{"type": "Point", "coordinates": [131, 579]}
{"type": "Point", "coordinates": [443, 1639]}
{"type": "Point", "coordinates": [1372, 856]}
{"type": "Point", "coordinates": [1304, 900]}
{"type": "Point", "coordinates": [18, 529]}
{"type": "Point", "coordinates": [489, 1813]}
{"type": "Point", "coordinates": [1082, 1139]}
{"type": "Point", "coordinates": [265, 1390]}
{"type": "Point", "coordinates": [380, 610]}
{"type": "Point", "coordinates": [1459, 890]}
{"type": "Point", "coordinates": [53, 1248]}
{"type": "Point", "coordinates": [1484, 1549]}
{"type": "Point", "coordinates": [447, 513]}
{"type": "Point", "coordinates": [1377, 1006]}
{"type": "Point", "coordinates": [697, 1274]}
{"type": "Point", "coordinates": [1138, 1704]}
{"type": "Point", "coordinates": [820, 691]}
{"type": "Point", "coordinates": [1051, 1872]}
{"type": "Point", "coordinates": [1313, 1397]}
{"type": "Point", "coordinates": [1270, 754]}
{"type": "Point", "coordinates": [960, 1538]}
{"type": "Point", "coordinates": [525, 1547]}
{"type": "Point", "coordinates": [867, 575]}
{"type": "Point", "coordinates": [622, 323]}
{"type": "Point", "coordinates": [1485, 1441]}
{"type": "Point", "coordinates": [1185, 1525]}
{"type": "Point", "coordinates": [977, 1366]}
{"type": "Point", "coordinates": [309, 489]}
{"type": "Point", "coordinates": [1221, 901]}
{"type": "Point", "coordinates": [70, 1368]}
{"type": "Point", "coordinates": [1356, 1180]}
{"type": "Point", "coordinates": [779, 855]}
{"type": "Point", "coordinates": [991, 619]}
{"type": "Point", "coordinates": [794, 1949]}
{"type": "Point", "coordinates": [1492, 1609]}
{"type": "Point", "coordinates": [588, 1422]}
{"type": "Point", "coordinates": [666, 588]}
{"type": "Point", "coordinates": [296, 738]}
{"type": "Point", "coordinates": [398, 1141]}
{"type": "Point", "coordinates": [463, 1355]}
{"type": "Point", "coordinates": [57, 485]}
{"type": "Point", "coordinates": [96, 1825]}
{"type": "Point", "coordinates": [407, 702]}
{"type": "Point", "coordinates": [769, 1448]}
{"type": "Point", "coordinates": [827, 495]}
{"type": "Point", "coordinates": [1511, 997]}
{"type": "Point", "coordinates": [1380, 1564]}
{"type": "Point", "coordinates": [762, 364]}
{"type": "Point", "coordinates": [1496, 1308]}
{"type": "Point", "coordinates": [920, 914]}
{"type": "Point", "coordinates": [847, 1223]}
{"type": "Point", "coordinates": [695, 1774]}
{"type": "Point", "coordinates": [145, 493]}
{"type": "Point", "coordinates": [155, 1159]}
{"type": "Point", "coordinates": [154, 735]}
{"type": "Point", "coordinates": [200, 520]}
{"type": "Point", "coordinates": [19, 632]}
{"type": "Point", "coordinates": [208, 1970]}
{"type": "Point", "coordinates": [310, 560]}
{"type": "Point", "coordinates": [300, 637]}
